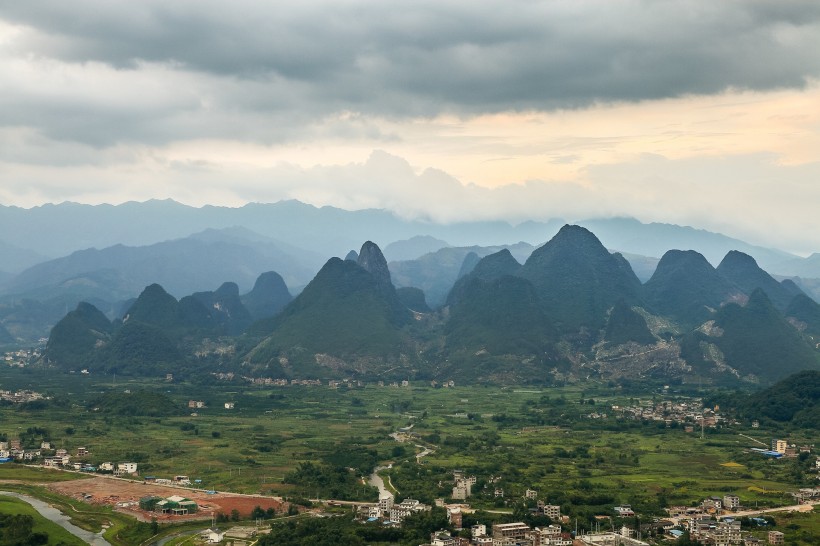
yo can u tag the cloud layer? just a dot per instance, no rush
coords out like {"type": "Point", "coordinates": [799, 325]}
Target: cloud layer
{"type": "Point", "coordinates": [705, 113]}
{"type": "Point", "coordinates": [104, 71]}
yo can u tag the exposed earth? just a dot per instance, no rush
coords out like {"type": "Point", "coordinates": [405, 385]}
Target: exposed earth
{"type": "Point", "coordinates": [124, 495]}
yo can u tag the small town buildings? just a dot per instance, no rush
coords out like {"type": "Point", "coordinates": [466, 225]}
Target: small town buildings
{"type": "Point", "coordinates": [550, 536]}
{"type": "Point", "coordinates": [82, 452]}
{"type": "Point", "coordinates": [126, 468]}
{"type": "Point", "coordinates": [454, 517]}
{"type": "Point", "coordinates": [385, 505]}
{"type": "Point", "coordinates": [608, 539]}
{"type": "Point", "coordinates": [213, 536]}
{"type": "Point", "coordinates": [45, 445]}
{"type": "Point", "coordinates": [479, 530]}
{"type": "Point", "coordinates": [406, 507]}
{"type": "Point", "coordinates": [624, 511]}
{"type": "Point", "coordinates": [531, 494]}
{"type": "Point", "coordinates": [776, 537]}
{"type": "Point", "coordinates": [443, 538]}
{"type": "Point", "coordinates": [552, 511]}
{"type": "Point", "coordinates": [107, 467]}
{"type": "Point", "coordinates": [176, 505]}
{"type": "Point", "coordinates": [780, 446]}
{"type": "Point", "coordinates": [731, 502]}
{"type": "Point", "coordinates": [712, 505]}
{"type": "Point", "coordinates": [509, 533]}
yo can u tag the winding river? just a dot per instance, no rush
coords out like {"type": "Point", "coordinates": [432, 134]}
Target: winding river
{"type": "Point", "coordinates": [54, 515]}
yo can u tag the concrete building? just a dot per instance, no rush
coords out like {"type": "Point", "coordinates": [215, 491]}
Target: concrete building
{"type": "Point", "coordinates": [776, 537]}
{"type": "Point", "coordinates": [608, 539]}
{"type": "Point", "coordinates": [731, 502]}
{"type": "Point", "coordinates": [126, 468]}
{"type": "Point", "coordinates": [507, 534]}
{"type": "Point", "coordinates": [552, 511]}
{"type": "Point", "coordinates": [549, 536]}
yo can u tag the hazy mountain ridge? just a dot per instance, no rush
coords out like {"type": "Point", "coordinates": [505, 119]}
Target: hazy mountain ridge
{"type": "Point", "coordinates": [187, 249]}
{"type": "Point", "coordinates": [58, 230]}
{"type": "Point", "coordinates": [569, 305]}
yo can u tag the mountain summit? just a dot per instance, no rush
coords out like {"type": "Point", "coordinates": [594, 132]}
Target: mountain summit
{"type": "Point", "coordinates": [578, 280]}
{"type": "Point", "coordinates": [742, 270]}
{"type": "Point", "coordinates": [686, 287]}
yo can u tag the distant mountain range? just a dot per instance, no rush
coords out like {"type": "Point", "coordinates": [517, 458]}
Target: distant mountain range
{"type": "Point", "coordinates": [571, 310]}
{"type": "Point", "coordinates": [54, 231]}
{"type": "Point", "coordinates": [57, 256]}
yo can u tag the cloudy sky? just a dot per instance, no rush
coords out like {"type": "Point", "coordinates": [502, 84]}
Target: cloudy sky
{"type": "Point", "coordinates": [691, 112]}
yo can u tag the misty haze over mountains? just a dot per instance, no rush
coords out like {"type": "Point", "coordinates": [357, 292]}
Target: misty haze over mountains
{"type": "Point", "coordinates": [58, 255]}
{"type": "Point", "coordinates": [572, 310]}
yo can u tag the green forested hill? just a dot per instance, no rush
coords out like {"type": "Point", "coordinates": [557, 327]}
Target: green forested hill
{"type": "Point", "coordinates": [488, 268]}
{"type": "Point", "coordinates": [794, 400]}
{"type": "Point", "coordinates": [343, 311]}
{"type": "Point", "coordinates": [687, 288]}
{"type": "Point", "coordinates": [78, 337]}
{"type": "Point", "coordinates": [743, 271]}
{"type": "Point", "coordinates": [500, 316]}
{"type": "Point", "coordinates": [578, 280]}
{"type": "Point", "coordinates": [757, 339]}
{"type": "Point", "coordinates": [626, 325]}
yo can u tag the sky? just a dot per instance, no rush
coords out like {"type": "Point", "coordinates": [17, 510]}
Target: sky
{"type": "Point", "coordinates": [689, 112]}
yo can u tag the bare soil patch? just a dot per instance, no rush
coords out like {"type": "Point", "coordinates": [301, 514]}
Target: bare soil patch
{"type": "Point", "coordinates": [124, 496]}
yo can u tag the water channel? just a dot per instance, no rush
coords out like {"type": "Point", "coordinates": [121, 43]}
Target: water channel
{"type": "Point", "coordinates": [55, 516]}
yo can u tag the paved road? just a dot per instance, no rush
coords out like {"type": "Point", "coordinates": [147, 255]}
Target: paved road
{"type": "Point", "coordinates": [794, 508]}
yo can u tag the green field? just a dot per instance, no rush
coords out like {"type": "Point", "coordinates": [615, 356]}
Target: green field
{"type": "Point", "coordinates": [522, 438]}
{"type": "Point", "coordinates": [56, 534]}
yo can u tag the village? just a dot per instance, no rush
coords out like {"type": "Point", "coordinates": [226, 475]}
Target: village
{"type": "Point", "coordinates": [715, 521]}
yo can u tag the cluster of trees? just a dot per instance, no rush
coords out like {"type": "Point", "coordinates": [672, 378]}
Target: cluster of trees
{"type": "Point", "coordinates": [18, 530]}
{"type": "Point", "coordinates": [343, 531]}
{"type": "Point", "coordinates": [336, 482]}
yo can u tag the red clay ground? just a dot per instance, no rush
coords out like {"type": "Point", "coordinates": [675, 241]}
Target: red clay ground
{"type": "Point", "coordinates": [124, 496]}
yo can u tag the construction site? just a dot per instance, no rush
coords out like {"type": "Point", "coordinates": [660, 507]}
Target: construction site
{"type": "Point", "coordinates": [125, 496]}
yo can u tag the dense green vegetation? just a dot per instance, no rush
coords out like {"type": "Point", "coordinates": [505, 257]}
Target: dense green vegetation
{"type": "Point", "coordinates": [794, 401]}
{"type": "Point", "coordinates": [687, 288]}
{"type": "Point", "coordinates": [571, 304]}
{"type": "Point", "coordinates": [500, 316]}
{"type": "Point", "coordinates": [304, 442]}
{"type": "Point", "coordinates": [340, 531]}
{"type": "Point", "coordinates": [625, 325]}
{"type": "Point", "coordinates": [578, 280]}
{"type": "Point", "coordinates": [22, 525]}
{"type": "Point", "coordinates": [757, 339]}
{"type": "Point", "coordinates": [742, 270]}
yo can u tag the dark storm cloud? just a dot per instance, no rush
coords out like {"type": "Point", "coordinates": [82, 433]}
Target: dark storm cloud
{"type": "Point", "coordinates": [295, 62]}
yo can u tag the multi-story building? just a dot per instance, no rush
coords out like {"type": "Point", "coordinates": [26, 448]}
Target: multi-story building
{"type": "Point", "coordinates": [507, 534]}
{"type": "Point", "coordinates": [731, 502]}
{"type": "Point", "coordinates": [552, 511]}
{"type": "Point", "coordinates": [549, 536]}
{"type": "Point", "coordinates": [726, 533]}
{"type": "Point", "coordinates": [406, 507]}
{"type": "Point", "coordinates": [775, 537]}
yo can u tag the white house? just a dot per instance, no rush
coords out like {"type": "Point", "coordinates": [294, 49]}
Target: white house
{"type": "Point", "coordinates": [126, 468]}
{"type": "Point", "coordinates": [213, 536]}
